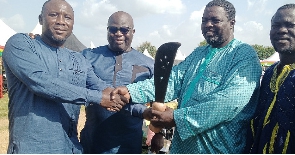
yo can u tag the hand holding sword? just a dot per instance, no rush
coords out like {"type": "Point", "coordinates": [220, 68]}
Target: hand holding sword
{"type": "Point", "coordinates": [159, 115]}
{"type": "Point", "coordinates": [162, 115]}
{"type": "Point", "coordinates": [163, 64]}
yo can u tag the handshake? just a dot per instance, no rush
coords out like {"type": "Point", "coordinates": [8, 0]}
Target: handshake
{"type": "Point", "coordinates": [160, 115]}
{"type": "Point", "coordinates": [115, 99]}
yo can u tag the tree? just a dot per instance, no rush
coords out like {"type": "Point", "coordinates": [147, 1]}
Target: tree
{"type": "Point", "coordinates": [150, 48]}
{"type": "Point", "coordinates": [263, 52]}
{"type": "Point", "coordinates": [203, 43]}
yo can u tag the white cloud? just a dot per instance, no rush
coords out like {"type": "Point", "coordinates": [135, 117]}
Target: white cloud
{"type": "Point", "coordinates": [144, 7]}
{"type": "Point", "coordinates": [197, 15]}
{"type": "Point", "coordinates": [257, 5]}
{"type": "Point", "coordinates": [252, 32]}
{"type": "Point", "coordinates": [100, 10]}
{"type": "Point", "coordinates": [250, 3]}
{"type": "Point", "coordinates": [16, 22]}
{"type": "Point", "coordinates": [188, 33]}
{"type": "Point", "coordinates": [254, 25]}
{"type": "Point", "coordinates": [73, 4]}
{"type": "Point", "coordinates": [95, 14]}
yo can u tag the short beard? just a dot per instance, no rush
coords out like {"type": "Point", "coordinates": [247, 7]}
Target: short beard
{"type": "Point", "coordinates": [58, 41]}
{"type": "Point", "coordinates": [289, 50]}
{"type": "Point", "coordinates": [215, 41]}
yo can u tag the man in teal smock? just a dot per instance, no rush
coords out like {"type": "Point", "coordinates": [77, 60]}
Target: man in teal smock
{"type": "Point", "coordinates": [216, 86]}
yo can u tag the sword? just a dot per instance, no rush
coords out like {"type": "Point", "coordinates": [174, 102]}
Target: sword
{"type": "Point", "coordinates": [162, 68]}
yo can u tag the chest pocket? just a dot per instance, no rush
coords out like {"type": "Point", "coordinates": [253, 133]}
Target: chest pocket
{"type": "Point", "coordinates": [139, 73]}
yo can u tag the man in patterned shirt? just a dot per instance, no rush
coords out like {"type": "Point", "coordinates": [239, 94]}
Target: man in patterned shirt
{"type": "Point", "coordinates": [216, 86]}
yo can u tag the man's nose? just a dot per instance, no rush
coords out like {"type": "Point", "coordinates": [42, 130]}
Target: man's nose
{"type": "Point", "coordinates": [60, 20]}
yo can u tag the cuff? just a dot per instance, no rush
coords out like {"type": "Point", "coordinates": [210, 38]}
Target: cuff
{"type": "Point", "coordinates": [93, 96]}
{"type": "Point", "coordinates": [182, 125]}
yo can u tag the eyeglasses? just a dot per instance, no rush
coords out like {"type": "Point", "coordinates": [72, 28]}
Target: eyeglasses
{"type": "Point", "coordinates": [113, 29]}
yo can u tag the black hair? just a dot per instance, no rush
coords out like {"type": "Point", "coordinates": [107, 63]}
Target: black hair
{"type": "Point", "coordinates": [228, 7]}
{"type": "Point", "coordinates": [287, 6]}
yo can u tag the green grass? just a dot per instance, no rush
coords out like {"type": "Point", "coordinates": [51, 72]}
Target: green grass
{"type": "Point", "coordinates": [4, 106]}
{"type": "Point", "coordinates": [4, 124]}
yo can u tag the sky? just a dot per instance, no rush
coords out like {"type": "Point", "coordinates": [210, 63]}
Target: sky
{"type": "Point", "coordinates": [155, 21]}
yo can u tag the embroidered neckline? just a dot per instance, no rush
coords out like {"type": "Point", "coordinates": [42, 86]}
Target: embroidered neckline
{"type": "Point", "coordinates": [276, 81]}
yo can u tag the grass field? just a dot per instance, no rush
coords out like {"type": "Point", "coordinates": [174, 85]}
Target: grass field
{"type": "Point", "coordinates": [3, 124]}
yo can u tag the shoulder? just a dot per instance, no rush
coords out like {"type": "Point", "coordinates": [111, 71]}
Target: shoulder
{"type": "Point", "coordinates": [243, 49]}
{"type": "Point", "coordinates": [93, 51]}
{"type": "Point", "coordinates": [21, 42]}
{"type": "Point", "coordinates": [19, 37]}
{"type": "Point", "coordinates": [237, 44]}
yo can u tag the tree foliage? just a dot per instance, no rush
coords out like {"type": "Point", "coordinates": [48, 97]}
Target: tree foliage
{"type": "Point", "coordinates": [150, 48]}
{"type": "Point", "coordinates": [203, 43]}
{"type": "Point", "coordinates": [263, 52]}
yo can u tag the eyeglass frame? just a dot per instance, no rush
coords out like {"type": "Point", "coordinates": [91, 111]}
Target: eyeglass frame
{"type": "Point", "coordinates": [122, 29]}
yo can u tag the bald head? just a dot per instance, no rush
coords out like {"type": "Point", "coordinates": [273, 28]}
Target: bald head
{"type": "Point", "coordinates": [120, 31]}
{"type": "Point", "coordinates": [44, 5]}
{"type": "Point", "coordinates": [57, 20]}
{"type": "Point", "coordinates": [121, 16]}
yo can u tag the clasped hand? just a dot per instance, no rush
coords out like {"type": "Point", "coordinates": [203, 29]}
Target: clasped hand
{"type": "Point", "coordinates": [160, 119]}
{"type": "Point", "coordinates": [163, 119]}
{"type": "Point", "coordinates": [113, 102]}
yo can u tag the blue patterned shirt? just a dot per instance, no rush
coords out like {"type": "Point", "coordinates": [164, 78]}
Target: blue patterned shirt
{"type": "Point", "coordinates": [116, 132]}
{"type": "Point", "coordinates": [217, 91]}
{"type": "Point", "coordinates": [46, 87]}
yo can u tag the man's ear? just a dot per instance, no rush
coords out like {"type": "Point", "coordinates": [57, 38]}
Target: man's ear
{"type": "Point", "coordinates": [40, 19]}
{"type": "Point", "coordinates": [233, 22]}
{"type": "Point", "coordinates": [133, 31]}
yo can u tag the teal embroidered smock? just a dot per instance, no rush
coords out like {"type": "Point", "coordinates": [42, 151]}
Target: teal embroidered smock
{"type": "Point", "coordinates": [217, 91]}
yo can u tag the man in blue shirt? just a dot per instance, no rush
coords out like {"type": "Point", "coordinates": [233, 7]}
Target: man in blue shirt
{"type": "Point", "coordinates": [47, 84]}
{"type": "Point", "coordinates": [118, 64]}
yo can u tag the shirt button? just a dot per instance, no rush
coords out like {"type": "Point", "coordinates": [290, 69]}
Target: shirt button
{"type": "Point", "coordinates": [59, 60]}
{"type": "Point", "coordinates": [60, 69]}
